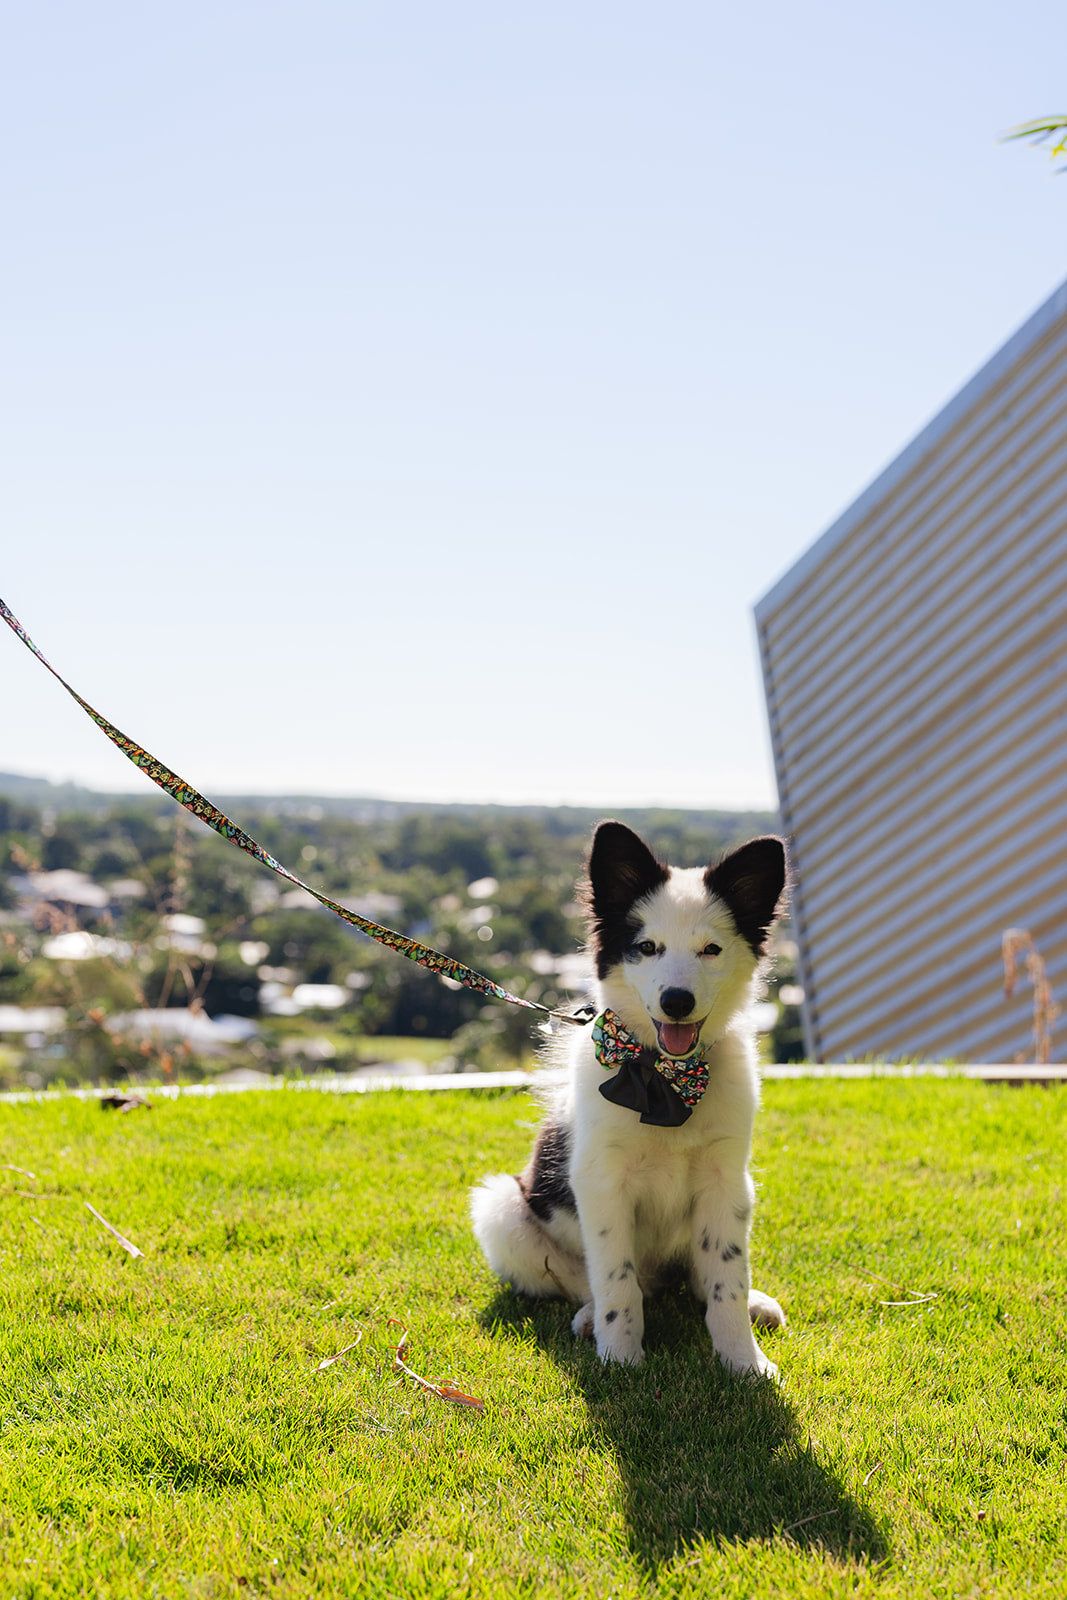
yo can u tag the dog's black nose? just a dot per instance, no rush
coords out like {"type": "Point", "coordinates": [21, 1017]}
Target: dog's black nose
{"type": "Point", "coordinates": [677, 1003]}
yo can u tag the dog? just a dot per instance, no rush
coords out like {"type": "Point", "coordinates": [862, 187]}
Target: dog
{"type": "Point", "coordinates": [644, 1172]}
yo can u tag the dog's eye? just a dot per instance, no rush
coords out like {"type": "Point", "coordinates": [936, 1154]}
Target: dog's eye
{"type": "Point", "coordinates": [712, 950]}
{"type": "Point", "coordinates": [646, 948]}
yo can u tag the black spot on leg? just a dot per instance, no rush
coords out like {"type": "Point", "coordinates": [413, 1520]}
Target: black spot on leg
{"type": "Point", "coordinates": [705, 1240]}
{"type": "Point", "coordinates": [731, 1252]}
{"type": "Point", "coordinates": [742, 1213]}
{"type": "Point", "coordinates": [716, 1293]}
{"type": "Point", "coordinates": [604, 1232]}
{"type": "Point", "coordinates": [733, 1296]}
{"type": "Point", "coordinates": [611, 1316]}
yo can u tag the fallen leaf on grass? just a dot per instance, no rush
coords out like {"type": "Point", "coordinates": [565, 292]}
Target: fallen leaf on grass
{"type": "Point", "coordinates": [448, 1391]}
{"type": "Point", "coordinates": [443, 1391]}
{"type": "Point", "coordinates": [9, 1168]}
{"type": "Point", "coordinates": [123, 1241]}
{"type": "Point", "coordinates": [329, 1361]}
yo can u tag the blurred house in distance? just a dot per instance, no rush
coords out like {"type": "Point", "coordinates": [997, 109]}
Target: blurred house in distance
{"type": "Point", "coordinates": [915, 666]}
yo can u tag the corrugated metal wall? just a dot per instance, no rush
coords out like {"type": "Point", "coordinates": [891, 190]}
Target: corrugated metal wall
{"type": "Point", "coordinates": [915, 664]}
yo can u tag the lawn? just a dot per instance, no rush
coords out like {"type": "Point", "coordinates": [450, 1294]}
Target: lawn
{"type": "Point", "coordinates": [165, 1431]}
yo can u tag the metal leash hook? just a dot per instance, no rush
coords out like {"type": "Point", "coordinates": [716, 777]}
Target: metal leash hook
{"type": "Point", "coordinates": [194, 802]}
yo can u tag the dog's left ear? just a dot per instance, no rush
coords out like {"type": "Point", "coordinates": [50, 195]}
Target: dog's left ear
{"type": "Point", "coordinates": [751, 881]}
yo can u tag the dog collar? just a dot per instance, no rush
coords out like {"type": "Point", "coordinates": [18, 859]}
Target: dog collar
{"type": "Point", "coordinates": [662, 1089]}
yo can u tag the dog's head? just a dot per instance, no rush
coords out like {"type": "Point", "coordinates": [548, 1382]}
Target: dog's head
{"type": "Point", "coordinates": [676, 949]}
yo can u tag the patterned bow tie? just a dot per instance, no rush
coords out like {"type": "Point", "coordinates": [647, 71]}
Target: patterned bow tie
{"type": "Point", "coordinates": [663, 1089]}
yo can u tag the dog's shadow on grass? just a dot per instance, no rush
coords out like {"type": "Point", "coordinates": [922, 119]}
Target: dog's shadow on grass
{"type": "Point", "coordinates": [703, 1454]}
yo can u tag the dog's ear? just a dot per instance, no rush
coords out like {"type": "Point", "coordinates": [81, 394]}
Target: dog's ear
{"type": "Point", "coordinates": [621, 869]}
{"type": "Point", "coordinates": [752, 882]}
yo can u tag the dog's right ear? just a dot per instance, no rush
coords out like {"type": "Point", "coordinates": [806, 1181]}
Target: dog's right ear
{"type": "Point", "coordinates": [621, 869]}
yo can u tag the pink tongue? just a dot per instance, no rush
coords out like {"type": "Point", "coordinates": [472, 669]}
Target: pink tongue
{"type": "Point", "coordinates": [677, 1038]}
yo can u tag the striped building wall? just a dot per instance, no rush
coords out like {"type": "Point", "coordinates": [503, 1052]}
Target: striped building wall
{"type": "Point", "coordinates": [915, 666]}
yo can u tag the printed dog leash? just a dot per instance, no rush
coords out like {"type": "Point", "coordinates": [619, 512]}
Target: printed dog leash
{"type": "Point", "coordinates": [187, 796]}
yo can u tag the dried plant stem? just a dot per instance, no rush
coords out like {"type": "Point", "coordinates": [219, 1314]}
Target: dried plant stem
{"type": "Point", "coordinates": [123, 1241]}
{"type": "Point", "coordinates": [443, 1391]}
{"type": "Point", "coordinates": [1013, 943]}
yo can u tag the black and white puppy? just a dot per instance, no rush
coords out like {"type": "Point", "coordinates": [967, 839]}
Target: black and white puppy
{"type": "Point", "coordinates": [611, 1199]}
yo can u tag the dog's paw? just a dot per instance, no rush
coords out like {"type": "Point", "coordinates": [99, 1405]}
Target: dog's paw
{"type": "Point", "coordinates": [763, 1312]}
{"type": "Point", "coordinates": [754, 1367]}
{"type": "Point", "coordinates": [631, 1355]}
{"type": "Point", "coordinates": [582, 1326]}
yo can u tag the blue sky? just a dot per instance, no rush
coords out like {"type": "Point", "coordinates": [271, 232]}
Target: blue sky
{"type": "Point", "coordinates": [413, 400]}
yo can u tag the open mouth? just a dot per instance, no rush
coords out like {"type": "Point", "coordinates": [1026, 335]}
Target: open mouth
{"type": "Point", "coordinates": [678, 1038]}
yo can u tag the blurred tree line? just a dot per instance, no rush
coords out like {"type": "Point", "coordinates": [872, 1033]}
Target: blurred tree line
{"type": "Point", "coordinates": [492, 886]}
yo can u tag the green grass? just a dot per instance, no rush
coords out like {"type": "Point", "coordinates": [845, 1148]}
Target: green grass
{"type": "Point", "coordinates": [164, 1431]}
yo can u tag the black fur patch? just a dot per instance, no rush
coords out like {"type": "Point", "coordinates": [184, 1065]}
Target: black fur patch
{"type": "Point", "coordinates": [545, 1183]}
{"type": "Point", "coordinates": [751, 881]}
{"type": "Point", "coordinates": [622, 870]}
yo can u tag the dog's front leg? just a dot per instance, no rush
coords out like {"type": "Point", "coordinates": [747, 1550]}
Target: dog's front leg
{"type": "Point", "coordinates": [721, 1222]}
{"type": "Point", "coordinates": [618, 1313]}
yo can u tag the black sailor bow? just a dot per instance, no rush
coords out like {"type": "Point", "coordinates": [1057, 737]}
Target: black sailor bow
{"type": "Point", "coordinates": [663, 1089]}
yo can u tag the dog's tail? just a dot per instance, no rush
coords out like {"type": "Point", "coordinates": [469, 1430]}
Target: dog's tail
{"type": "Point", "coordinates": [516, 1246]}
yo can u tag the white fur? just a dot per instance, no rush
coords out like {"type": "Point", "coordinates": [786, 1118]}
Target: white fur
{"type": "Point", "coordinates": [646, 1196]}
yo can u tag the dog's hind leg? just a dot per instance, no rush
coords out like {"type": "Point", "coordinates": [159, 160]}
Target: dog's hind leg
{"type": "Point", "coordinates": [519, 1248]}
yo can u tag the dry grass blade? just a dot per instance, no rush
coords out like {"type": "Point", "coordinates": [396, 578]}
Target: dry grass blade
{"type": "Point", "coordinates": [9, 1168]}
{"type": "Point", "coordinates": [123, 1241]}
{"type": "Point", "coordinates": [816, 1516]}
{"type": "Point", "coordinates": [918, 1297]}
{"type": "Point", "coordinates": [878, 1465]}
{"type": "Point", "coordinates": [443, 1391]}
{"type": "Point", "coordinates": [329, 1361]}
{"type": "Point", "coordinates": [564, 1292]}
